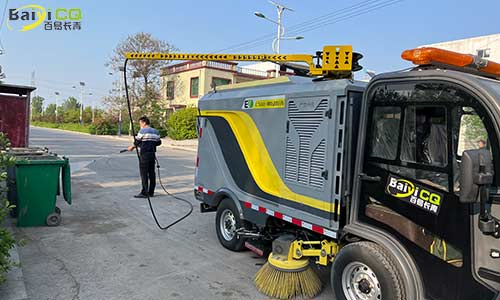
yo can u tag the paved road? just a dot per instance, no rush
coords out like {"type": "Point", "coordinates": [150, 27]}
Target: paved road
{"type": "Point", "coordinates": [108, 246]}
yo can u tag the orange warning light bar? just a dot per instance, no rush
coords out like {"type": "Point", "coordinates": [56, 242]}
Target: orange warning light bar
{"type": "Point", "coordinates": [430, 55]}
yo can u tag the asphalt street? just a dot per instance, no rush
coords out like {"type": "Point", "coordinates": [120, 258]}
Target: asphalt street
{"type": "Point", "coordinates": [108, 246]}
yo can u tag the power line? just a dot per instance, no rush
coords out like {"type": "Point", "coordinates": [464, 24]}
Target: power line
{"type": "Point", "coordinates": [350, 11]}
{"type": "Point", "coordinates": [2, 48]}
{"type": "Point", "coordinates": [349, 16]}
{"type": "Point", "coordinates": [3, 14]}
{"type": "Point", "coordinates": [266, 37]}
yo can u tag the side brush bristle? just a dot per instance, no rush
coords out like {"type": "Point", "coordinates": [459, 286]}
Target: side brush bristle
{"type": "Point", "coordinates": [287, 285]}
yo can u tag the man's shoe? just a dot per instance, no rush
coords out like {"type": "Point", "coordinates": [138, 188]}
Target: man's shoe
{"type": "Point", "coordinates": [141, 195]}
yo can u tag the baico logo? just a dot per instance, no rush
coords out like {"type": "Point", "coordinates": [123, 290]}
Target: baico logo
{"type": "Point", "coordinates": [31, 16]}
{"type": "Point", "coordinates": [401, 188]}
{"type": "Point", "coordinates": [412, 193]}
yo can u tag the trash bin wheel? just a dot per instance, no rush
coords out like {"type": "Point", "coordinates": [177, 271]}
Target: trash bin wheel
{"type": "Point", "coordinates": [57, 210]}
{"type": "Point", "coordinates": [54, 219]}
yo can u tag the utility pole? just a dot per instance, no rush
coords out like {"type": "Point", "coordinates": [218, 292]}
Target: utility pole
{"type": "Point", "coordinates": [82, 85]}
{"type": "Point", "coordinates": [93, 108]}
{"type": "Point", "coordinates": [276, 44]}
{"type": "Point", "coordinates": [120, 98]}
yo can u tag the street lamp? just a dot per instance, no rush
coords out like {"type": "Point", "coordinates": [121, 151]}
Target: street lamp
{"type": "Point", "coordinates": [57, 96]}
{"type": "Point", "coordinates": [120, 69]}
{"type": "Point", "coordinates": [82, 86]}
{"type": "Point", "coordinates": [93, 107]}
{"type": "Point", "coordinates": [281, 29]}
{"type": "Point", "coordinates": [285, 38]}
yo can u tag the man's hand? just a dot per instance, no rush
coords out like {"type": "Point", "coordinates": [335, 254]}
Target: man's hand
{"type": "Point", "coordinates": [131, 148]}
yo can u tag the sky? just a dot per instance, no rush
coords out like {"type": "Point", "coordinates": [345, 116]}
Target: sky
{"type": "Point", "coordinates": [379, 29]}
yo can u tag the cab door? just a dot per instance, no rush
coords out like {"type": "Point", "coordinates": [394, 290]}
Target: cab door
{"type": "Point", "coordinates": [410, 183]}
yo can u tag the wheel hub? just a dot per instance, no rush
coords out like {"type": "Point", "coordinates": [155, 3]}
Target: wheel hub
{"type": "Point", "coordinates": [364, 286]}
{"type": "Point", "coordinates": [228, 225]}
{"type": "Point", "coordinates": [359, 282]}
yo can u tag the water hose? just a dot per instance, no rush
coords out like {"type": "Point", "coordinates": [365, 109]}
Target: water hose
{"type": "Point", "coordinates": [157, 164]}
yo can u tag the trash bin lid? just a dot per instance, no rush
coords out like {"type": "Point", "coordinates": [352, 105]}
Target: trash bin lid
{"type": "Point", "coordinates": [40, 160]}
{"type": "Point", "coordinates": [28, 151]}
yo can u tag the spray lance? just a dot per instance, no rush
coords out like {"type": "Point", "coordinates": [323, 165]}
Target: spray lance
{"type": "Point", "coordinates": [157, 164]}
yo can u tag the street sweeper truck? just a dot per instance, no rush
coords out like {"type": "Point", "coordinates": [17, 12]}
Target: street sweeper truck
{"type": "Point", "coordinates": [392, 184]}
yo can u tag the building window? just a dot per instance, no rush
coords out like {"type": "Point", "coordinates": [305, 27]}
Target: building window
{"type": "Point", "coordinates": [193, 88]}
{"type": "Point", "coordinates": [216, 81]}
{"type": "Point", "coordinates": [170, 90]}
{"type": "Point", "coordinates": [484, 53]}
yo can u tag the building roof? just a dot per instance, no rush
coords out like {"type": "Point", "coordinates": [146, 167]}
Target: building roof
{"type": "Point", "coordinates": [226, 66]}
{"type": "Point", "coordinates": [490, 37]}
{"type": "Point", "coordinates": [20, 90]}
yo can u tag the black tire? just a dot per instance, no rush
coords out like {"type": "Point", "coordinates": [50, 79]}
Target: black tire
{"type": "Point", "coordinates": [57, 210]}
{"type": "Point", "coordinates": [53, 219]}
{"type": "Point", "coordinates": [13, 212]}
{"type": "Point", "coordinates": [359, 260]}
{"type": "Point", "coordinates": [228, 208]}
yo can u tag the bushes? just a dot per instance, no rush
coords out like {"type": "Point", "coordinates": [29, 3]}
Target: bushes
{"type": "Point", "coordinates": [6, 239]}
{"type": "Point", "coordinates": [65, 126]}
{"type": "Point", "coordinates": [103, 126]}
{"type": "Point", "coordinates": [182, 124]}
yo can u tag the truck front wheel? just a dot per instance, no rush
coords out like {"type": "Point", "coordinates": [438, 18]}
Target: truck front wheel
{"type": "Point", "coordinates": [365, 271]}
{"type": "Point", "coordinates": [227, 221]}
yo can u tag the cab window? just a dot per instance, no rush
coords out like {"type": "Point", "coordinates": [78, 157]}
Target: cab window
{"type": "Point", "coordinates": [472, 133]}
{"type": "Point", "coordinates": [385, 124]}
{"type": "Point", "coordinates": [424, 135]}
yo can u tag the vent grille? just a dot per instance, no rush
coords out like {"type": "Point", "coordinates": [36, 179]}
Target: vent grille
{"type": "Point", "coordinates": [291, 161]}
{"type": "Point", "coordinates": [318, 159]}
{"type": "Point", "coordinates": [303, 165]}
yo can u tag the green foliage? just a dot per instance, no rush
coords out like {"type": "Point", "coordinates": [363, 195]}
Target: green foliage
{"type": "Point", "coordinates": [7, 240]}
{"type": "Point", "coordinates": [182, 124]}
{"type": "Point", "coordinates": [71, 104]}
{"type": "Point", "coordinates": [104, 126]}
{"type": "Point", "coordinates": [37, 107]}
{"type": "Point", "coordinates": [64, 126]}
{"type": "Point", "coordinates": [474, 128]}
{"type": "Point", "coordinates": [71, 116]}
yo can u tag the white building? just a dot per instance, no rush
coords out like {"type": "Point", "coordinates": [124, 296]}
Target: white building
{"type": "Point", "coordinates": [487, 46]}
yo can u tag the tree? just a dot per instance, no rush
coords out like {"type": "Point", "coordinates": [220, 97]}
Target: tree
{"type": "Point", "coordinates": [37, 107]}
{"type": "Point", "coordinates": [70, 104]}
{"type": "Point", "coordinates": [87, 114]}
{"type": "Point", "coordinates": [50, 113]}
{"type": "Point", "coordinates": [148, 70]}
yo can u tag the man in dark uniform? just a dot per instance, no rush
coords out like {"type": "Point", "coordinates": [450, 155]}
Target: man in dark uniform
{"type": "Point", "coordinates": [147, 140]}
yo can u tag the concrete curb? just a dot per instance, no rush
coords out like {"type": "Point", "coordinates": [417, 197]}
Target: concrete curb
{"type": "Point", "coordinates": [14, 288]}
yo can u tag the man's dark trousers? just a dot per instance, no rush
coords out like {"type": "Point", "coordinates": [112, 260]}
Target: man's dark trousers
{"type": "Point", "coordinates": [148, 176]}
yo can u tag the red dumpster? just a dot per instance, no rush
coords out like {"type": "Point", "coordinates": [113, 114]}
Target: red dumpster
{"type": "Point", "coordinates": [15, 113]}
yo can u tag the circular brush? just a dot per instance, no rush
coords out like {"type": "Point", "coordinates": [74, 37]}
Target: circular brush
{"type": "Point", "coordinates": [284, 278]}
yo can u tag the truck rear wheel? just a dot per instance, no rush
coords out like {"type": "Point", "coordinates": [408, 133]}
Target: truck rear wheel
{"type": "Point", "coordinates": [227, 221]}
{"type": "Point", "coordinates": [365, 271]}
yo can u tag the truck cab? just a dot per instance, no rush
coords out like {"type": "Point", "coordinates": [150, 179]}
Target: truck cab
{"type": "Point", "coordinates": [416, 128]}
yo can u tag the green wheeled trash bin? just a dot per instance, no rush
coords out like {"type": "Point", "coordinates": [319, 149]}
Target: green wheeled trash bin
{"type": "Point", "coordinates": [37, 184]}
{"type": "Point", "coordinates": [11, 172]}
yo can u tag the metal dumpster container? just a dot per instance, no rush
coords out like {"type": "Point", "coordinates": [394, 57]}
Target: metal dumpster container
{"type": "Point", "coordinates": [37, 186]}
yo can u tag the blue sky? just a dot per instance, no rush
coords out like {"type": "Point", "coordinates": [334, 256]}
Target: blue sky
{"type": "Point", "coordinates": [62, 59]}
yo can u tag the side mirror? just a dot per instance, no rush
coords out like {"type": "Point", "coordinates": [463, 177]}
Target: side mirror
{"type": "Point", "coordinates": [476, 170]}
